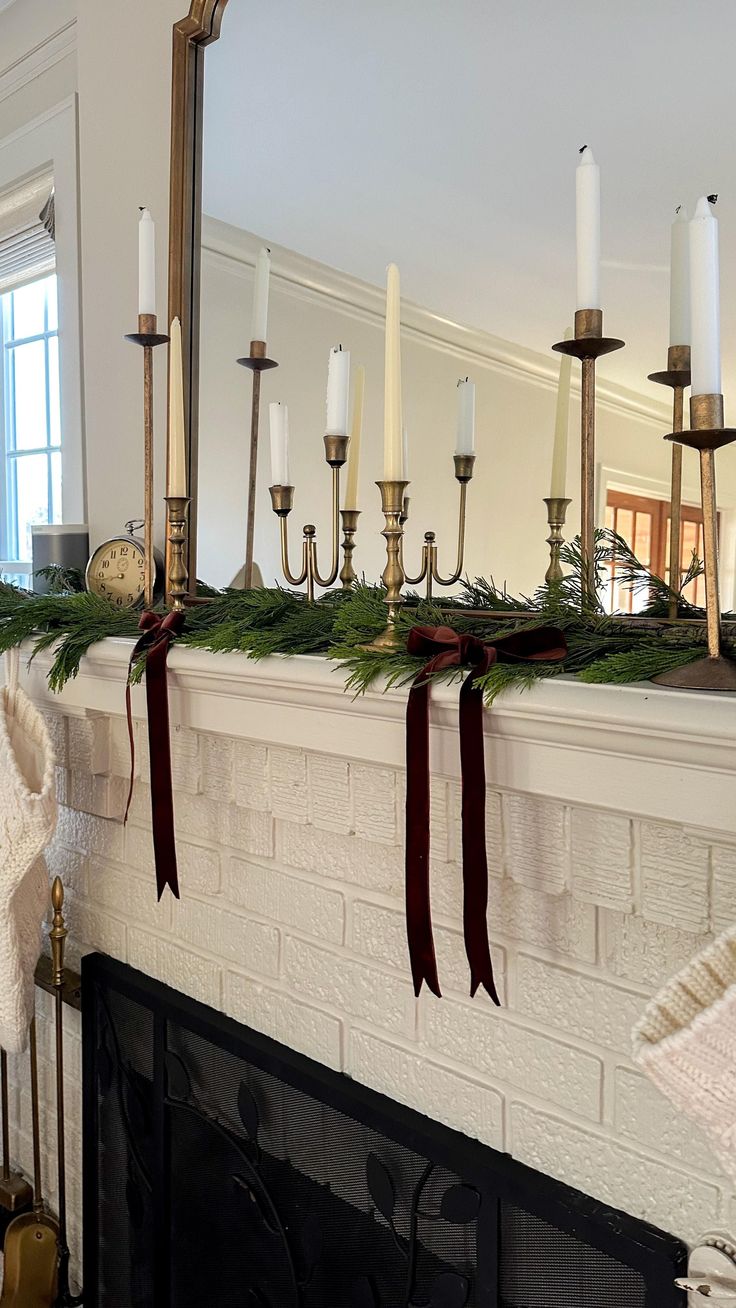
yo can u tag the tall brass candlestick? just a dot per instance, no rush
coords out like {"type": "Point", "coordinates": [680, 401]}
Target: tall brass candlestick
{"type": "Point", "coordinates": [148, 337]}
{"type": "Point", "coordinates": [177, 509]}
{"type": "Point", "coordinates": [257, 362]}
{"type": "Point", "coordinates": [706, 435]}
{"type": "Point", "coordinates": [557, 507]}
{"type": "Point", "coordinates": [587, 345]}
{"type": "Point", "coordinates": [464, 465]}
{"type": "Point", "coordinates": [677, 377]}
{"type": "Point", "coordinates": [392, 505]}
{"type": "Point", "coordinates": [282, 502]}
{"type": "Point", "coordinates": [349, 519]}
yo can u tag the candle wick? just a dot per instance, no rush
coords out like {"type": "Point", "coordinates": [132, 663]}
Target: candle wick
{"type": "Point", "coordinates": [582, 149]}
{"type": "Point", "coordinates": [712, 199]}
{"type": "Point", "coordinates": [677, 210]}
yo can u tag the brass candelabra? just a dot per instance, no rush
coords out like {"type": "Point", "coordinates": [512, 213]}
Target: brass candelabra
{"type": "Point", "coordinates": [706, 435]}
{"type": "Point", "coordinates": [588, 344]}
{"type": "Point", "coordinates": [148, 338]}
{"type": "Point", "coordinates": [429, 571]}
{"type": "Point", "coordinates": [282, 502]}
{"type": "Point", "coordinates": [257, 362]}
{"type": "Point", "coordinates": [677, 377]}
{"type": "Point", "coordinates": [177, 587]}
{"type": "Point", "coordinates": [557, 507]}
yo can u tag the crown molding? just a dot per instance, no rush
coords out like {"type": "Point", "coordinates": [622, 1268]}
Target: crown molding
{"type": "Point", "coordinates": [233, 249]}
{"type": "Point", "coordinates": [43, 56]}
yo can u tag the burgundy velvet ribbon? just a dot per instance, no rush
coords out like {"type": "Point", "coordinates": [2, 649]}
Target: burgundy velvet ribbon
{"type": "Point", "coordinates": [444, 648]}
{"type": "Point", "coordinates": [158, 633]}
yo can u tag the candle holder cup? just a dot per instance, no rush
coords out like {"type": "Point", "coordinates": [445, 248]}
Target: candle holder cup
{"type": "Point", "coordinates": [677, 377]}
{"type": "Point", "coordinates": [429, 571]}
{"type": "Point", "coordinates": [257, 362]}
{"type": "Point", "coordinates": [148, 337]}
{"type": "Point", "coordinates": [588, 344]}
{"type": "Point", "coordinates": [282, 502]}
{"type": "Point", "coordinates": [706, 435]}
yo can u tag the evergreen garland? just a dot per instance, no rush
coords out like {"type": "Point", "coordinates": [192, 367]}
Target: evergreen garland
{"type": "Point", "coordinates": [272, 620]}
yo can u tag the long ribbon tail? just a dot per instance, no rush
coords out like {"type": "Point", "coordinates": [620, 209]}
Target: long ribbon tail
{"type": "Point", "coordinates": [418, 910]}
{"type": "Point", "coordinates": [162, 800]}
{"type": "Point", "coordinates": [475, 860]}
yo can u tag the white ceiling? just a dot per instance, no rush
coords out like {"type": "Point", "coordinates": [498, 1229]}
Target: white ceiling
{"type": "Point", "coordinates": [443, 135]}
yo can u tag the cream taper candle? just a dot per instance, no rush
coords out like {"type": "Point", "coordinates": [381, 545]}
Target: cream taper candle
{"type": "Point", "coordinates": [146, 263]}
{"type": "Point", "coordinates": [680, 279]}
{"type": "Point", "coordinates": [259, 320]}
{"type": "Point", "coordinates": [705, 306]}
{"type": "Point", "coordinates": [392, 423]}
{"type": "Point", "coordinates": [588, 230]}
{"type": "Point", "coordinates": [562, 422]}
{"type": "Point", "coordinates": [465, 417]}
{"type": "Point", "coordinates": [356, 432]}
{"type": "Point", "coordinates": [279, 426]}
{"type": "Point", "coordinates": [338, 389]}
{"type": "Point", "coordinates": [177, 462]}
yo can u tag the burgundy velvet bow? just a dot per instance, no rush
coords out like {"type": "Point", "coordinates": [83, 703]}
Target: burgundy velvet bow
{"type": "Point", "coordinates": [444, 648]}
{"type": "Point", "coordinates": [158, 633]}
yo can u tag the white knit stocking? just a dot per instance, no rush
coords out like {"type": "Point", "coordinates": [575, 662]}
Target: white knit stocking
{"type": "Point", "coordinates": [27, 823]}
{"type": "Point", "coordinates": [686, 1043]}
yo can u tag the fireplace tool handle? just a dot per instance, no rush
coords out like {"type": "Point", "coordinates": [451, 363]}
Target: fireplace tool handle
{"type": "Point", "coordinates": [57, 937]}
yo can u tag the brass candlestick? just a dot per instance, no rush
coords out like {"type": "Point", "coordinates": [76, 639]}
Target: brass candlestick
{"type": "Point", "coordinates": [557, 507]}
{"type": "Point", "coordinates": [392, 505]}
{"type": "Point", "coordinates": [677, 377]}
{"type": "Point", "coordinates": [464, 464]}
{"type": "Point", "coordinates": [257, 362]}
{"type": "Point", "coordinates": [177, 586]}
{"type": "Point", "coordinates": [588, 344]}
{"type": "Point", "coordinates": [148, 337]}
{"type": "Point", "coordinates": [349, 527]}
{"type": "Point", "coordinates": [706, 435]}
{"type": "Point", "coordinates": [282, 502]}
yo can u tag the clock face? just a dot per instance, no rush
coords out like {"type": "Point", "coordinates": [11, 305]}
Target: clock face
{"type": "Point", "coordinates": [116, 571]}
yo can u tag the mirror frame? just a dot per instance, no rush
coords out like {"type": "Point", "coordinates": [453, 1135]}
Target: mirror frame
{"type": "Point", "coordinates": [191, 36]}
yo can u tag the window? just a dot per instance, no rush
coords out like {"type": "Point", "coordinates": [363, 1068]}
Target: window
{"type": "Point", "coordinates": [644, 524]}
{"type": "Point", "coordinates": [30, 425]}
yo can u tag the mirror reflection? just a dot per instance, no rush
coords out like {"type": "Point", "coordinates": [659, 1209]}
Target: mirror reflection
{"type": "Point", "coordinates": [338, 137]}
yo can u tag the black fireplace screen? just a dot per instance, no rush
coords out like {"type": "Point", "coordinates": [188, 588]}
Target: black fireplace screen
{"type": "Point", "coordinates": [221, 1168]}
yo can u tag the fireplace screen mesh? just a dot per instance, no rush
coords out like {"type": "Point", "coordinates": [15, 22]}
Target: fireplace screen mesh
{"type": "Point", "coordinates": [224, 1169]}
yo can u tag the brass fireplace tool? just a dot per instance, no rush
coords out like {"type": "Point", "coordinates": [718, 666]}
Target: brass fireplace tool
{"type": "Point", "coordinates": [16, 1195]}
{"type": "Point", "coordinates": [706, 435]}
{"type": "Point", "coordinates": [282, 502]}
{"type": "Point", "coordinates": [587, 345]}
{"type": "Point", "coordinates": [677, 377]}
{"type": "Point", "coordinates": [148, 338]}
{"type": "Point", "coordinates": [57, 937]}
{"type": "Point", "coordinates": [258, 362]}
{"type": "Point", "coordinates": [464, 464]}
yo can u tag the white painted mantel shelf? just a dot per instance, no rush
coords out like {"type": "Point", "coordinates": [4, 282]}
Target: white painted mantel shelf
{"type": "Point", "coordinates": [643, 749]}
{"type": "Point", "coordinates": [611, 834]}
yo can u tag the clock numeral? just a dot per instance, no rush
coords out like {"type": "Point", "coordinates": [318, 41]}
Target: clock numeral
{"type": "Point", "coordinates": [105, 563]}
{"type": "Point", "coordinates": [123, 549]}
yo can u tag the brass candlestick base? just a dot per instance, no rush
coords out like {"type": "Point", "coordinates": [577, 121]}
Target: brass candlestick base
{"type": "Point", "coordinates": [282, 501]}
{"type": "Point", "coordinates": [557, 508]}
{"type": "Point", "coordinates": [148, 338]}
{"type": "Point", "coordinates": [429, 571]}
{"type": "Point", "coordinates": [707, 434]}
{"type": "Point", "coordinates": [177, 588]}
{"type": "Point", "coordinates": [349, 527]}
{"type": "Point", "coordinates": [257, 362]}
{"type": "Point", "coordinates": [677, 377]}
{"type": "Point", "coordinates": [392, 504]}
{"type": "Point", "coordinates": [587, 345]}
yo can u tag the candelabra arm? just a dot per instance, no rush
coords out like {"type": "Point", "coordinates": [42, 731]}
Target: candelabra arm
{"type": "Point", "coordinates": [330, 579]}
{"type": "Point", "coordinates": [291, 577]}
{"type": "Point", "coordinates": [426, 561]}
{"type": "Point", "coordinates": [450, 581]}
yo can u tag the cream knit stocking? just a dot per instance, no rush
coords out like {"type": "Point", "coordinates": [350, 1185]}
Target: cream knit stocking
{"type": "Point", "coordinates": [27, 823]}
{"type": "Point", "coordinates": [686, 1043]}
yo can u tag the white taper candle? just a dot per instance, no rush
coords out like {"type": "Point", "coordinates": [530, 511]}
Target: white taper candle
{"type": "Point", "coordinates": [146, 263]}
{"type": "Point", "coordinates": [588, 230]}
{"type": "Point", "coordinates": [338, 390]}
{"type": "Point", "coordinates": [392, 423]}
{"type": "Point", "coordinates": [705, 301]}
{"type": "Point", "coordinates": [356, 432]}
{"type": "Point", "coordinates": [177, 462]}
{"type": "Point", "coordinates": [465, 417]}
{"type": "Point", "coordinates": [279, 426]}
{"type": "Point", "coordinates": [562, 422]}
{"type": "Point", "coordinates": [259, 320]}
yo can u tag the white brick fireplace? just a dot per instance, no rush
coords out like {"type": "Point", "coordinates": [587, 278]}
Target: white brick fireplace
{"type": "Point", "coordinates": [612, 846]}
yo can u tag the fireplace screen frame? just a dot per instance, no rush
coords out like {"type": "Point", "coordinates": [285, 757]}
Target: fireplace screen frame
{"type": "Point", "coordinates": [655, 1255]}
